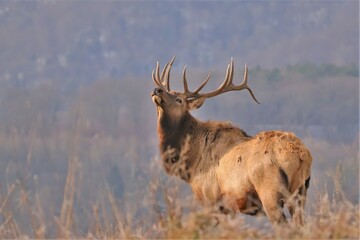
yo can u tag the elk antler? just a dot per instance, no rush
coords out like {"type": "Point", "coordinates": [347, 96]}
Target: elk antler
{"type": "Point", "coordinates": [163, 81]}
{"type": "Point", "coordinates": [226, 86]}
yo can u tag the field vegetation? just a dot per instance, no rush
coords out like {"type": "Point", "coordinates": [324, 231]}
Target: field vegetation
{"type": "Point", "coordinates": [162, 207]}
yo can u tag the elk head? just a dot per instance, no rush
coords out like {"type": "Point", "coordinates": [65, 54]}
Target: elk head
{"type": "Point", "coordinates": [178, 104]}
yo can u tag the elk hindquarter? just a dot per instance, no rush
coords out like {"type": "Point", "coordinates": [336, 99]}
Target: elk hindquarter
{"type": "Point", "coordinates": [272, 164]}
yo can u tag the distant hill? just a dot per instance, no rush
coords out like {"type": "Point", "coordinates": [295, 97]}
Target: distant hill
{"type": "Point", "coordinates": [81, 41]}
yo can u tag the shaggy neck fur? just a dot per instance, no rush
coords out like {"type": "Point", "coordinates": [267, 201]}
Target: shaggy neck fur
{"type": "Point", "coordinates": [173, 131]}
{"type": "Point", "coordinates": [183, 143]}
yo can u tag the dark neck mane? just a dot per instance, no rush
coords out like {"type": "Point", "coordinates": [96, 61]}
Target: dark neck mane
{"type": "Point", "coordinates": [185, 141]}
{"type": "Point", "coordinates": [173, 131]}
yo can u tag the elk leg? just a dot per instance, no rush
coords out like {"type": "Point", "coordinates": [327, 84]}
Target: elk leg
{"type": "Point", "coordinates": [227, 204]}
{"type": "Point", "coordinates": [272, 199]}
{"type": "Point", "coordinates": [297, 207]}
{"type": "Point", "coordinates": [274, 209]}
{"type": "Point", "coordinates": [271, 186]}
{"type": "Point", "coordinates": [296, 210]}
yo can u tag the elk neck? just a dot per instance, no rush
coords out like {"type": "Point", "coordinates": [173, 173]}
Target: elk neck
{"type": "Point", "coordinates": [172, 131]}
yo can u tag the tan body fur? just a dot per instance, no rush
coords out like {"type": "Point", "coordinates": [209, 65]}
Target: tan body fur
{"type": "Point", "coordinates": [227, 168]}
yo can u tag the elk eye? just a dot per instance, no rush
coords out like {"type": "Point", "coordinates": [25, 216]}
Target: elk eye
{"type": "Point", "coordinates": [179, 100]}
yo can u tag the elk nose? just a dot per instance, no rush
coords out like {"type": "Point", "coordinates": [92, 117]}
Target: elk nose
{"type": "Point", "coordinates": [157, 91]}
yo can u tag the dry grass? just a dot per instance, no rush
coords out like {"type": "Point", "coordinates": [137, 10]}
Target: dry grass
{"type": "Point", "coordinates": [169, 215]}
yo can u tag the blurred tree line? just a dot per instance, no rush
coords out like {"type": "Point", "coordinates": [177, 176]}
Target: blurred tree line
{"type": "Point", "coordinates": [302, 94]}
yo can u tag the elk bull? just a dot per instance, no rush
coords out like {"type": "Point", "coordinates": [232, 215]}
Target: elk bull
{"type": "Point", "coordinates": [224, 166]}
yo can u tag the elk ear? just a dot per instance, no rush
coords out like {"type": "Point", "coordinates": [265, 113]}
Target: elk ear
{"type": "Point", "coordinates": [195, 103]}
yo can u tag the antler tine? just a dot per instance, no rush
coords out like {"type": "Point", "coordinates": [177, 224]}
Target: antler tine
{"type": "Point", "coordinates": [245, 75]}
{"type": "Point", "coordinates": [163, 80]}
{"type": "Point", "coordinates": [228, 79]}
{"type": "Point", "coordinates": [157, 74]}
{"type": "Point", "coordinates": [220, 89]}
{"type": "Point", "coordinates": [163, 71]}
{"type": "Point", "coordinates": [203, 84]}
{"type": "Point", "coordinates": [243, 85]}
{"type": "Point", "coordinates": [165, 77]}
{"type": "Point", "coordinates": [247, 87]}
{"type": "Point", "coordinates": [156, 79]}
{"type": "Point", "coordinates": [229, 76]}
{"type": "Point", "coordinates": [153, 76]}
{"type": "Point", "coordinates": [186, 88]}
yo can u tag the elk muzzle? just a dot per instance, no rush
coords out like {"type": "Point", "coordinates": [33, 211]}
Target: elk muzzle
{"type": "Point", "coordinates": [156, 96]}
